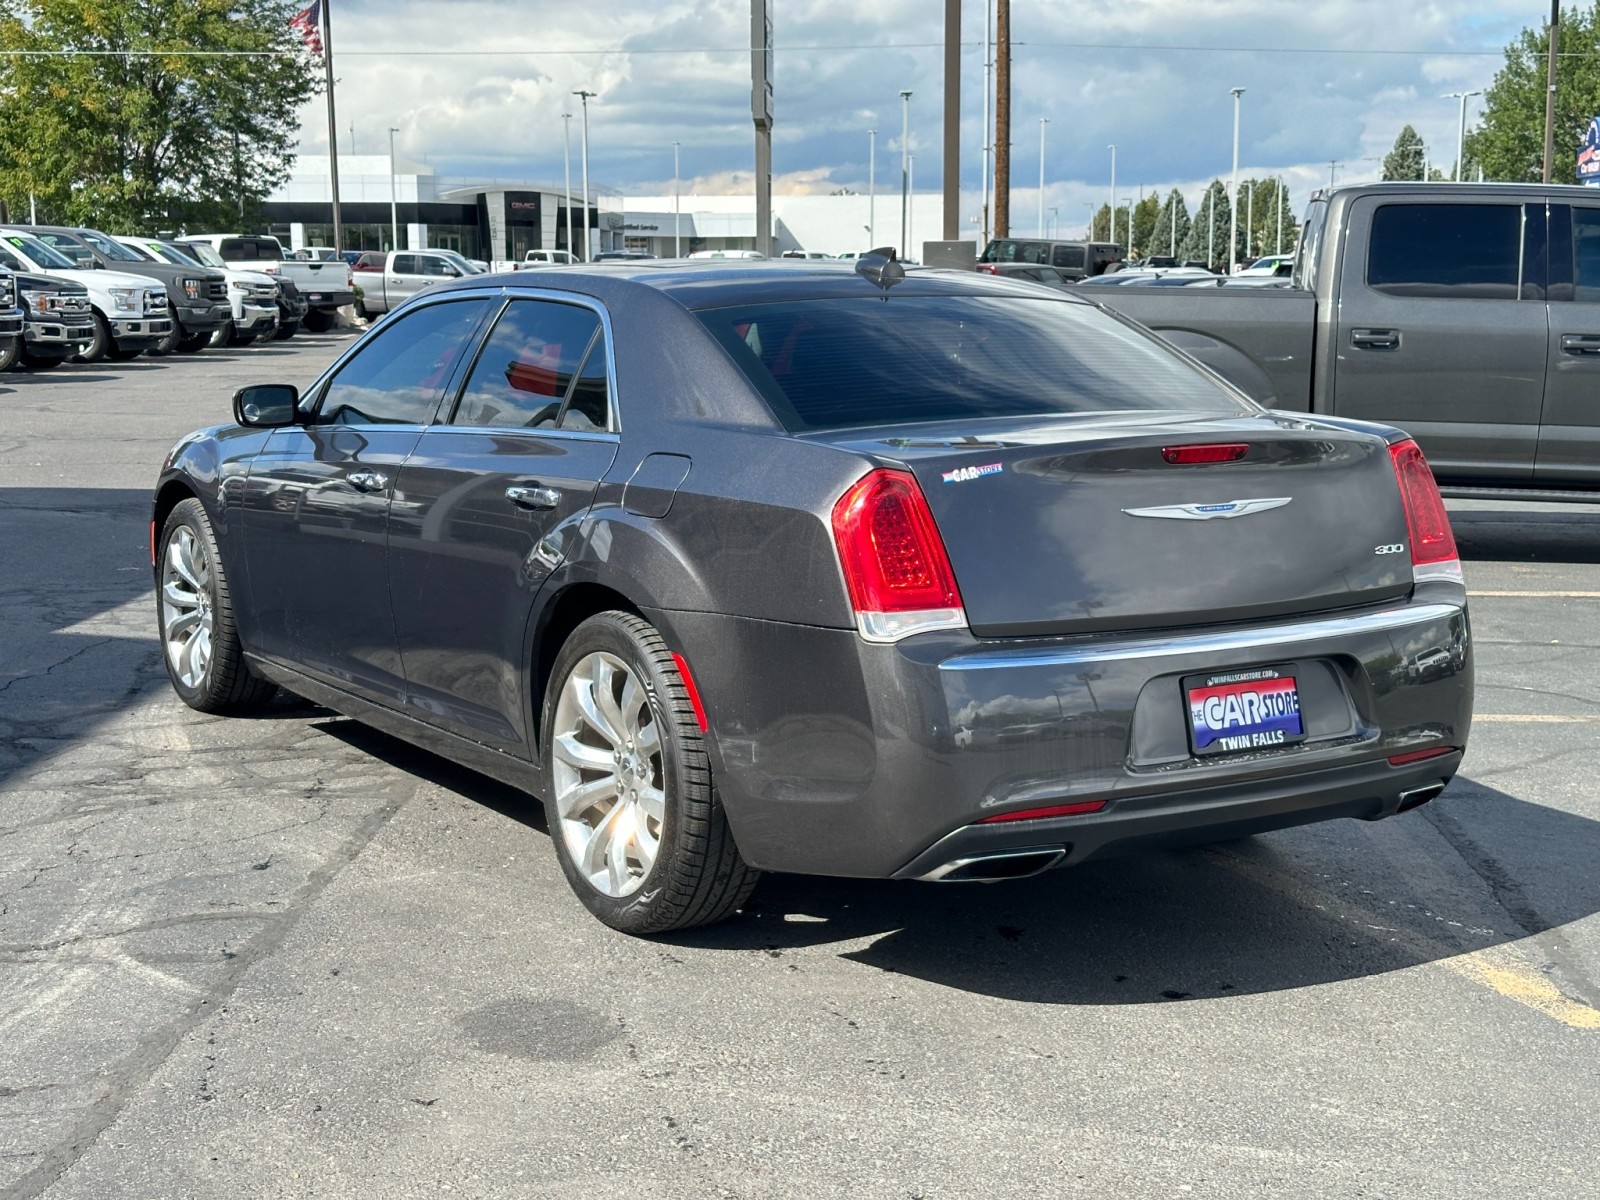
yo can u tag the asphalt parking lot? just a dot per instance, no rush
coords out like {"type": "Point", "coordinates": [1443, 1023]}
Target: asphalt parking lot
{"type": "Point", "coordinates": [289, 956]}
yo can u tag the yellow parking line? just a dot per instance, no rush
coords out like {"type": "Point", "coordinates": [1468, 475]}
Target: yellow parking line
{"type": "Point", "coordinates": [1498, 970]}
{"type": "Point", "coordinates": [1533, 719]}
{"type": "Point", "coordinates": [1556, 595]}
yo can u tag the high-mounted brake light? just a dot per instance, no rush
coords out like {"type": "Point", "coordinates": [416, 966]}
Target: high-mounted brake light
{"type": "Point", "coordinates": [1219, 452]}
{"type": "Point", "coordinates": [895, 564]}
{"type": "Point", "coordinates": [1433, 545]}
{"type": "Point", "coordinates": [1081, 808]}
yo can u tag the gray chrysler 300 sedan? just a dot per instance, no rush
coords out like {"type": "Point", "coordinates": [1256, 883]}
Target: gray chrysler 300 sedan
{"type": "Point", "coordinates": [824, 568]}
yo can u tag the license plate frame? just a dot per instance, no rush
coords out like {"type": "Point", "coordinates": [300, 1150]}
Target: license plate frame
{"type": "Point", "coordinates": [1272, 721]}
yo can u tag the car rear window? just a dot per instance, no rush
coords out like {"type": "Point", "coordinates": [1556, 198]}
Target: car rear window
{"type": "Point", "coordinates": [838, 363]}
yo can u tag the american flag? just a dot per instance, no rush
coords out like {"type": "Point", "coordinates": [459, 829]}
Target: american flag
{"type": "Point", "coordinates": [308, 25]}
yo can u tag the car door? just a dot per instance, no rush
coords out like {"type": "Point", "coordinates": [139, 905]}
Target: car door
{"type": "Point", "coordinates": [1569, 431]}
{"type": "Point", "coordinates": [315, 506]}
{"type": "Point", "coordinates": [1441, 329]}
{"type": "Point", "coordinates": [490, 495]}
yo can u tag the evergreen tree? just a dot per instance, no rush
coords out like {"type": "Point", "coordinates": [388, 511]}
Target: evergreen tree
{"type": "Point", "coordinates": [1509, 141]}
{"type": "Point", "coordinates": [1174, 215]}
{"type": "Point", "coordinates": [133, 140]}
{"type": "Point", "coordinates": [1208, 233]}
{"type": "Point", "coordinates": [1405, 161]}
{"type": "Point", "coordinates": [1146, 214]}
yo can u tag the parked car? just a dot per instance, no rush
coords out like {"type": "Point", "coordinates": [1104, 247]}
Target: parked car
{"type": "Point", "coordinates": [13, 316]}
{"type": "Point", "coordinates": [1466, 314]}
{"type": "Point", "coordinates": [745, 254]}
{"type": "Point", "coordinates": [546, 258]}
{"type": "Point", "coordinates": [1075, 260]}
{"type": "Point", "coordinates": [292, 309]}
{"type": "Point", "coordinates": [327, 286]}
{"type": "Point", "coordinates": [622, 255]}
{"type": "Point", "coordinates": [401, 274]}
{"type": "Point", "coordinates": [57, 322]}
{"type": "Point", "coordinates": [252, 296]}
{"type": "Point", "coordinates": [1035, 272]}
{"type": "Point", "coordinates": [1267, 265]}
{"type": "Point", "coordinates": [197, 296]}
{"type": "Point", "coordinates": [129, 312]}
{"type": "Point", "coordinates": [1155, 276]}
{"type": "Point", "coordinates": [813, 568]}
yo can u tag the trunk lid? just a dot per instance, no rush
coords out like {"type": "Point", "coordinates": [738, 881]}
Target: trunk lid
{"type": "Point", "coordinates": [1036, 519]}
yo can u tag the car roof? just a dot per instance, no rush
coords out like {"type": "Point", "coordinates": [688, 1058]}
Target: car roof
{"type": "Point", "coordinates": [721, 283]}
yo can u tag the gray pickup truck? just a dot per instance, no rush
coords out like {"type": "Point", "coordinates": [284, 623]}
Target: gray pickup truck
{"type": "Point", "coordinates": [1467, 315]}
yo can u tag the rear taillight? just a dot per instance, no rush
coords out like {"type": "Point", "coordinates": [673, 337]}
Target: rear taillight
{"type": "Point", "coordinates": [989, 268]}
{"type": "Point", "coordinates": [894, 561]}
{"type": "Point", "coordinates": [1433, 546]}
{"type": "Point", "coordinates": [1216, 452]}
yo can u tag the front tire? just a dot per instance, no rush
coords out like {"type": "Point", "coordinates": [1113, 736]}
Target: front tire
{"type": "Point", "coordinates": [96, 350]}
{"type": "Point", "coordinates": [638, 828]}
{"type": "Point", "coordinates": [12, 354]}
{"type": "Point", "coordinates": [194, 615]}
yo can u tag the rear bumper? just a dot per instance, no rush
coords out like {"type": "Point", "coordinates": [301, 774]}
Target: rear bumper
{"type": "Point", "coordinates": [838, 757]}
{"type": "Point", "coordinates": [327, 301]}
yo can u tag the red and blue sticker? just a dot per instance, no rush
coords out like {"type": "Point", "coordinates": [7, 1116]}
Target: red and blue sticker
{"type": "Point", "coordinates": [1244, 710]}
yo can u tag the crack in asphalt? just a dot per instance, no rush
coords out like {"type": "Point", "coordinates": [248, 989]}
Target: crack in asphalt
{"type": "Point", "coordinates": [53, 667]}
{"type": "Point", "coordinates": [123, 1079]}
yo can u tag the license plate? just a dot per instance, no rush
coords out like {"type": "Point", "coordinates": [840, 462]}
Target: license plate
{"type": "Point", "coordinates": [1234, 711]}
{"type": "Point", "coordinates": [316, 295]}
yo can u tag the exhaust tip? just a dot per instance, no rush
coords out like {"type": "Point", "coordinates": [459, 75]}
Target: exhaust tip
{"type": "Point", "coordinates": [991, 868]}
{"type": "Point", "coordinates": [1418, 796]}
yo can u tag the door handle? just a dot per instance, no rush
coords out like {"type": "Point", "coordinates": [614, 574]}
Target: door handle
{"type": "Point", "coordinates": [1375, 339]}
{"type": "Point", "coordinates": [534, 497]}
{"type": "Point", "coordinates": [368, 481]}
{"type": "Point", "coordinates": [1580, 343]}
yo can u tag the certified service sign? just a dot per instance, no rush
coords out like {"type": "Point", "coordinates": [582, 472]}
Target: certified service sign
{"type": "Point", "coordinates": [1589, 155]}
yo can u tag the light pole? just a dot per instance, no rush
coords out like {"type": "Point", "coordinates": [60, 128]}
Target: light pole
{"type": "Point", "coordinates": [1333, 167]}
{"type": "Point", "coordinates": [911, 187]}
{"type": "Point", "coordinates": [988, 145]}
{"type": "Point", "coordinates": [872, 189]}
{"type": "Point", "coordinates": [566, 162]}
{"type": "Point", "coordinates": [1113, 209]}
{"type": "Point", "coordinates": [394, 203]}
{"type": "Point", "coordinates": [1055, 220]}
{"type": "Point", "coordinates": [1211, 236]}
{"type": "Point", "coordinates": [584, 96]}
{"type": "Point", "coordinates": [1279, 249]}
{"type": "Point", "coordinates": [1233, 207]}
{"type": "Point", "coordinates": [1461, 127]}
{"type": "Point", "coordinates": [1043, 121]}
{"type": "Point", "coordinates": [905, 172]}
{"type": "Point", "coordinates": [677, 206]}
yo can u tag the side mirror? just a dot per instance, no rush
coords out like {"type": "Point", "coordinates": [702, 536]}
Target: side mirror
{"type": "Point", "coordinates": [266, 405]}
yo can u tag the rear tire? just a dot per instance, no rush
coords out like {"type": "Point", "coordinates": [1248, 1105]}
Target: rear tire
{"type": "Point", "coordinates": [633, 812]}
{"type": "Point", "coordinates": [194, 618]}
{"type": "Point", "coordinates": [319, 320]}
{"type": "Point", "coordinates": [192, 343]}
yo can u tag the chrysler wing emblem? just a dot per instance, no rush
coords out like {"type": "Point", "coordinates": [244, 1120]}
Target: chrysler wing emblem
{"type": "Point", "coordinates": [1210, 512]}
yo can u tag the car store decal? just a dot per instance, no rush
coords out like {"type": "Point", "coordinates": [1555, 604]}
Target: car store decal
{"type": "Point", "coordinates": [965, 474]}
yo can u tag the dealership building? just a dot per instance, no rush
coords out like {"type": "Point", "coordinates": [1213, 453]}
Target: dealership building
{"type": "Point", "coordinates": [499, 220]}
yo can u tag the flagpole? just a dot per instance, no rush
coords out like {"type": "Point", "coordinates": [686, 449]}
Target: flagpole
{"type": "Point", "coordinates": [333, 124]}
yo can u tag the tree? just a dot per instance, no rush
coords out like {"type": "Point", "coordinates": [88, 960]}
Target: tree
{"type": "Point", "coordinates": [1172, 225]}
{"type": "Point", "coordinates": [1509, 141]}
{"type": "Point", "coordinates": [1208, 234]}
{"type": "Point", "coordinates": [1100, 226]}
{"type": "Point", "coordinates": [1405, 161]}
{"type": "Point", "coordinates": [1259, 205]}
{"type": "Point", "coordinates": [131, 139]}
{"type": "Point", "coordinates": [1146, 214]}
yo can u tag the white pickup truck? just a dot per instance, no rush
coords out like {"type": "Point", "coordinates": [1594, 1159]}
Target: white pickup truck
{"type": "Point", "coordinates": [390, 279]}
{"type": "Point", "coordinates": [252, 295]}
{"type": "Point", "coordinates": [131, 314]}
{"type": "Point", "coordinates": [326, 286]}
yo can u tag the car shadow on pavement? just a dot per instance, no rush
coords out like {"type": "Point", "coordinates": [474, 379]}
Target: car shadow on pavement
{"type": "Point", "coordinates": [1285, 910]}
{"type": "Point", "coordinates": [1485, 535]}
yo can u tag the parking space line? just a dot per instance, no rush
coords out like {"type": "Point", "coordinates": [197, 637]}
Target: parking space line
{"type": "Point", "coordinates": [1533, 719]}
{"type": "Point", "coordinates": [1497, 969]}
{"type": "Point", "coordinates": [1541, 595]}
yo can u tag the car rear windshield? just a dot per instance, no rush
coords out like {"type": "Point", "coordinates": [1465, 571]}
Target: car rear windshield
{"type": "Point", "coordinates": [838, 363]}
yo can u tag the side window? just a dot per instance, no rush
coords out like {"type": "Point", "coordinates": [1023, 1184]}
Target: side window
{"type": "Point", "coordinates": [1034, 252]}
{"type": "Point", "coordinates": [397, 376]}
{"type": "Point", "coordinates": [527, 368]}
{"type": "Point", "coordinates": [405, 264]}
{"type": "Point", "coordinates": [1070, 257]}
{"type": "Point", "coordinates": [72, 249]}
{"type": "Point", "coordinates": [434, 265]}
{"type": "Point", "coordinates": [1452, 251]}
{"type": "Point", "coordinates": [10, 261]}
{"type": "Point", "coordinates": [589, 407]}
{"type": "Point", "coordinates": [1586, 254]}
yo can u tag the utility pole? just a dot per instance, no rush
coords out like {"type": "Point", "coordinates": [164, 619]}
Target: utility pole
{"type": "Point", "coordinates": [1550, 90]}
{"type": "Point", "coordinates": [1113, 209]}
{"type": "Point", "coordinates": [1250, 222]}
{"type": "Point", "coordinates": [1461, 130]}
{"type": "Point", "coordinates": [872, 189]}
{"type": "Point", "coordinates": [1279, 250]}
{"type": "Point", "coordinates": [905, 174]}
{"type": "Point", "coordinates": [677, 206]}
{"type": "Point", "coordinates": [394, 202]}
{"type": "Point", "coordinates": [761, 114]}
{"type": "Point", "coordinates": [1333, 166]}
{"type": "Point", "coordinates": [1002, 119]}
{"type": "Point", "coordinates": [1233, 207]}
{"type": "Point", "coordinates": [584, 96]}
{"type": "Point", "coordinates": [952, 120]}
{"type": "Point", "coordinates": [1043, 121]}
{"type": "Point", "coordinates": [988, 87]}
{"type": "Point", "coordinates": [566, 161]}
{"type": "Point", "coordinates": [333, 124]}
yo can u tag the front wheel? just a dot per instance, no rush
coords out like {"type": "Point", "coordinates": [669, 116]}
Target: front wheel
{"type": "Point", "coordinates": [170, 342]}
{"type": "Point", "coordinates": [96, 350]}
{"type": "Point", "coordinates": [638, 828]}
{"type": "Point", "coordinates": [191, 343]}
{"type": "Point", "coordinates": [11, 354]}
{"type": "Point", "coordinates": [194, 610]}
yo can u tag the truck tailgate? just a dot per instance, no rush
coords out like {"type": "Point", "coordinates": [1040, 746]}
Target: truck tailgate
{"type": "Point", "coordinates": [1260, 339]}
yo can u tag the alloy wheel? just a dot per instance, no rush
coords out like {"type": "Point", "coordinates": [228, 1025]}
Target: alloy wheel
{"type": "Point", "coordinates": [186, 610]}
{"type": "Point", "coordinates": [610, 794]}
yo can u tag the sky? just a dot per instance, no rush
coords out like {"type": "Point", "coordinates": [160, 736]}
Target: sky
{"type": "Point", "coordinates": [477, 89]}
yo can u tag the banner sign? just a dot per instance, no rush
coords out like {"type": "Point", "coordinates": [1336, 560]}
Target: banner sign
{"type": "Point", "coordinates": [1589, 155]}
